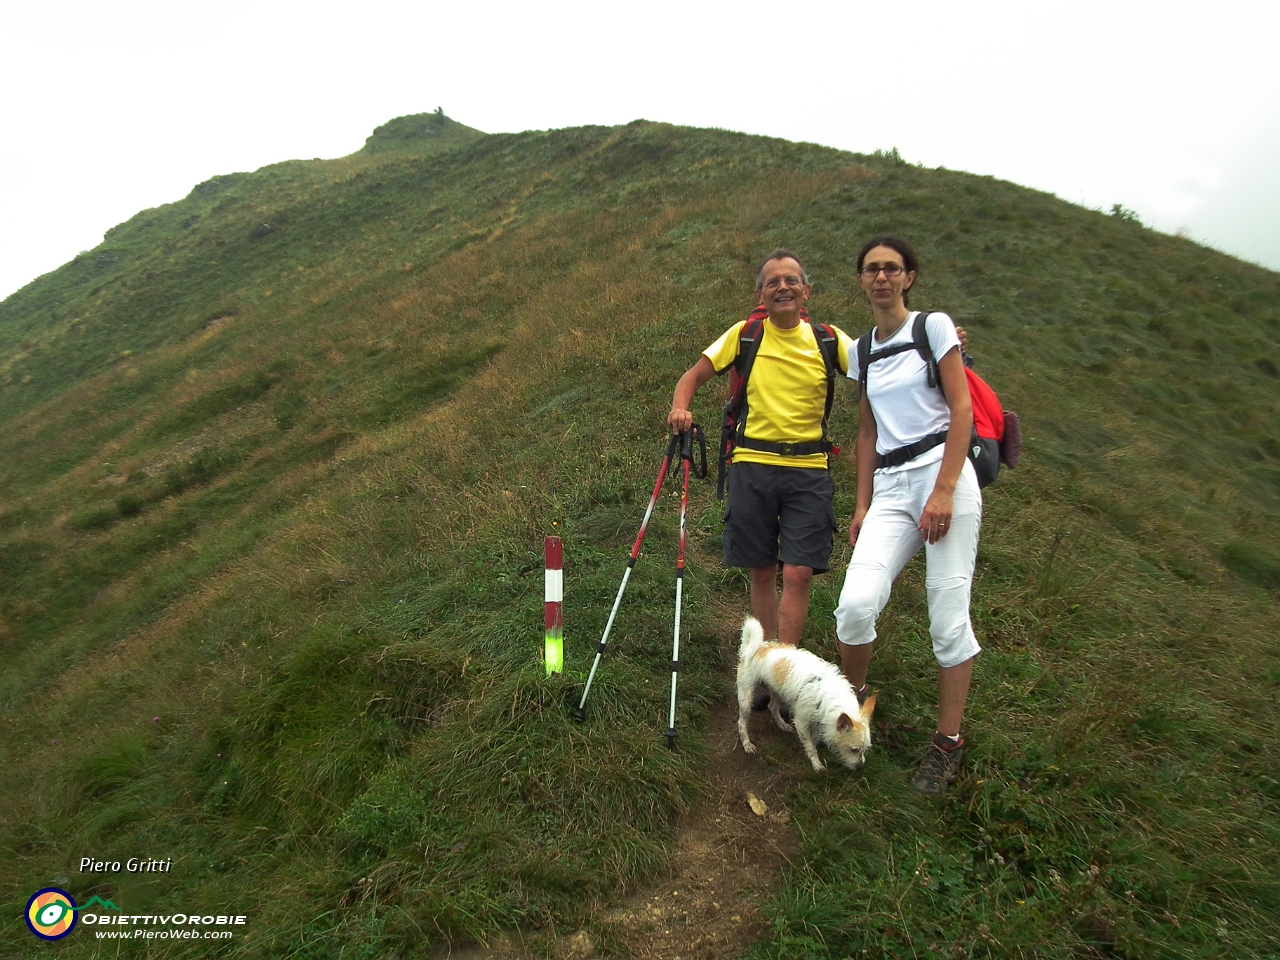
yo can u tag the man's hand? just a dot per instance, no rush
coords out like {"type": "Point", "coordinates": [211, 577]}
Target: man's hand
{"type": "Point", "coordinates": [679, 420]}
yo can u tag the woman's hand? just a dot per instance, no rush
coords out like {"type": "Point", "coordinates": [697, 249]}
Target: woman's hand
{"type": "Point", "coordinates": [855, 527]}
{"type": "Point", "coordinates": [935, 522]}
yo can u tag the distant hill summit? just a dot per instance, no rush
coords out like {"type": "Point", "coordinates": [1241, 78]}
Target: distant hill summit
{"type": "Point", "coordinates": [419, 133]}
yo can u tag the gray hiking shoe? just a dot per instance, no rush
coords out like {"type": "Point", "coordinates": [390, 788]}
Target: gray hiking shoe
{"type": "Point", "coordinates": [939, 768]}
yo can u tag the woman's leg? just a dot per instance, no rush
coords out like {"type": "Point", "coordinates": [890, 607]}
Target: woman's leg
{"type": "Point", "coordinates": [949, 567]}
{"type": "Point", "coordinates": [953, 691]}
{"type": "Point", "coordinates": [854, 661]}
{"type": "Point", "coordinates": [888, 539]}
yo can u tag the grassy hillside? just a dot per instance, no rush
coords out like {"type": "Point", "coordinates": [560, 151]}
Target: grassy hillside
{"type": "Point", "coordinates": [277, 459]}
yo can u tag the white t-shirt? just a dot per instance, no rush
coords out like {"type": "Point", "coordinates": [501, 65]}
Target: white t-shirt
{"type": "Point", "coordinates": [906, 408]}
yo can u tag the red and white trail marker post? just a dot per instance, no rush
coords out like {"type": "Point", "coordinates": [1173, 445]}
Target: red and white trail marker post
{"type": "Point", "coordinates": [553, 643]}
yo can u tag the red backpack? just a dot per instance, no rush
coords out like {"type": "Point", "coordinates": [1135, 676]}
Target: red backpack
{"type": "Point", "coordinates": [997, 434]}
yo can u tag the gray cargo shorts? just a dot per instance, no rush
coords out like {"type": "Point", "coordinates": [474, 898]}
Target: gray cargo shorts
{"type": "Point", "coordinates": [779, 514]}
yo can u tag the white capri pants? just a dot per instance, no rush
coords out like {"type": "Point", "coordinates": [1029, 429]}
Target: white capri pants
{"type": "Point", "coordinates": [890, 537]}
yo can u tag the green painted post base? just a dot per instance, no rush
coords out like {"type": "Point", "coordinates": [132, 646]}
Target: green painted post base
{"type": "Point", "coordinates": [553, 655]}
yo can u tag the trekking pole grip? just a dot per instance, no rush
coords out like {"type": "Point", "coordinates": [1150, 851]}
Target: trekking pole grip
{"type": "Point", "coordinates": [673, 444]}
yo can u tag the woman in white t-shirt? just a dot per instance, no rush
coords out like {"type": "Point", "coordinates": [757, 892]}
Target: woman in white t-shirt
{"type": "Point", "coordinates": [916, 487]}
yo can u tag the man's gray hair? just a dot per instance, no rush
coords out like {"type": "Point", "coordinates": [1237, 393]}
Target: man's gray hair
{"type": "Point", "coordinates": [780, 253]}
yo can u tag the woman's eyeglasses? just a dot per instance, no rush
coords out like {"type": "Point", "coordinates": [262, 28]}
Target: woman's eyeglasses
{"type": "Point", "coordinates": [891, 270]}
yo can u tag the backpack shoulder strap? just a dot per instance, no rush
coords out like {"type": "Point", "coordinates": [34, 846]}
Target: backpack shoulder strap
{"type": "Point", "coordinates": [749, 339]}
{"type": "Point", "coordinates": [829, 347]}
{"type": "Point", "coordinates": [920, 340]}
{"type": "Point", "coordinates": [919, 343]}
{"type": "Point", "coordinates": [735, 409]}
{"type": "Point", "coordinates": [864, 360]}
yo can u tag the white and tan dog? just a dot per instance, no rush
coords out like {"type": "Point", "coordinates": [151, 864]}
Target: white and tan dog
{"type": "Point", "coordinates": [823, 704]}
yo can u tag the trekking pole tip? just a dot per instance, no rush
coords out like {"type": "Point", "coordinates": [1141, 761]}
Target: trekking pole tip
{"type": "Point", "coordinates": [579, 714]}
{"type": "Point", "coordinates": [671, 738]}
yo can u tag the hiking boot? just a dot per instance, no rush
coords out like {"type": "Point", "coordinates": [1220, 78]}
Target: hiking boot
{"type": "Point", "coordinates": [940, 766]}
{"type": "Point", "coordinates": [862, 694]}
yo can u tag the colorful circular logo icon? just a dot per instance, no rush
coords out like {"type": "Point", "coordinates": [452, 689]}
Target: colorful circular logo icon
{"type": "Point", "coordinates": [51, 913]}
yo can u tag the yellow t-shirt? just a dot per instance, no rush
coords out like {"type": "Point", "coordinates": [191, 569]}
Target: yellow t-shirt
{"type": "Point", "coordinates": [787, 389]}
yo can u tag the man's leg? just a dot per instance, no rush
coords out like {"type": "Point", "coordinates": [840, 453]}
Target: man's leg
{"type": "Point", "coordinates": [794, 606]}
{"type": "Point", "coordinates": [806, 525]}
{"type": "Point", "coordinates": [783, 619]}
{"type": "Point", "coordinates": [751, 538]}
{"type": "Point", "coordinates": [789, 614]}
{"type": "Point", "coordinates": [764, 598]}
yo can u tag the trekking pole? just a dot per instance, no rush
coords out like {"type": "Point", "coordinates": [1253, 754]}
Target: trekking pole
{"type": "Point", "coordinates": [672, 445]}
{"type": "Point", "coordinates": [686, 456]}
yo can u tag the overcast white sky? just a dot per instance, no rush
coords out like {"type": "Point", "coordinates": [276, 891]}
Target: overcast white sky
{"type": "Point", "coordinates": [1169, 108]}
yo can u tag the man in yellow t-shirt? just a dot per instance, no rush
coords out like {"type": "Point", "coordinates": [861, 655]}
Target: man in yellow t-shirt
{"type": "Point", "coordinates": [780, 506]}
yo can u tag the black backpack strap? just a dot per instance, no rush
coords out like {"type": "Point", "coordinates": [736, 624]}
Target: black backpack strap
{"type": "Point", "coordinates": [749, 339]}
{"type": "Point", "coordinates": [735, 409]}
{"type": "Point", "coordinates": [829, 344]}
{"type": "Point", "coordinates": [919, 343]}
{"type": "Point", "coordinates": [895, 458]}
{"type": "Point", "coordinates": [920, 340]}
{"type": "Point", "coordinates": [787, 449]}
{"type": "Point", "coordinates": [829, 347]}
{"type": "Point", "coordinates": [694, 449]}
{"type": "Point", "coordinates": [867, 356]}
{"type": "Point", "coordinates": [864, 359]}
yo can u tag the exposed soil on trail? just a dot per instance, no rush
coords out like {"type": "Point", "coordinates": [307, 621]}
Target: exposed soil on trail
{"type": "Point", "coordinates": [729, 853]}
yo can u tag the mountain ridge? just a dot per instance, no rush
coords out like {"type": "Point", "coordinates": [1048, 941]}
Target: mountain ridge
{"type": "Point", "coordinates": [275, 475]}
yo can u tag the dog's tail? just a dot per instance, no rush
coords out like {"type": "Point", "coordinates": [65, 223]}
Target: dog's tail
{"type": "Point", "coordinates": [752, 636]}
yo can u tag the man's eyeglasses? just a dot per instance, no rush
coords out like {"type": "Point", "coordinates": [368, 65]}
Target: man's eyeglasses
{"type": "Point", "coordinates": [773, 283]}
{"type": "Point", "coordinates": [891, 270]}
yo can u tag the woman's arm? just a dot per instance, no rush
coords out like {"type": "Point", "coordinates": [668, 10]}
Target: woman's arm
{"type": "Point", "coordinates": [936, 519]}
{"type": "Point", "coordinates": [866, 461]}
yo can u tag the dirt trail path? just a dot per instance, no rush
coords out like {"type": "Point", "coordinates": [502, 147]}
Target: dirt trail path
{"type": "Point", "coordinates": [728, 855]}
